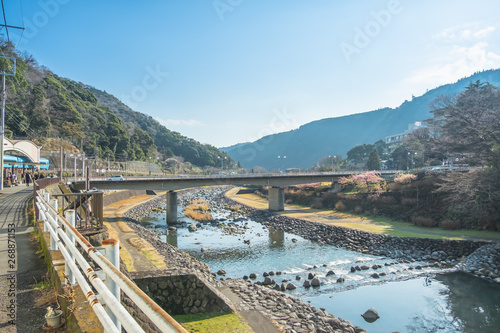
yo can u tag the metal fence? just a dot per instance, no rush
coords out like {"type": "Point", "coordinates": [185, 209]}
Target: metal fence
{"type": "Point", "coordinates": [106, 282]}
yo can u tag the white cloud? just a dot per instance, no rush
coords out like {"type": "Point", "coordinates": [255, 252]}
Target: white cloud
{"type": "Point", "coordinates": [180, 122]}
{"type": "Point", "coordinates": [457, 52]}
{"type": "Point", "coordinates": [465, 32]}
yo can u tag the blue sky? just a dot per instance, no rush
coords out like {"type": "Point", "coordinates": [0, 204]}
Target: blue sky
{"type": "Point", "coordinates": [231, 71]}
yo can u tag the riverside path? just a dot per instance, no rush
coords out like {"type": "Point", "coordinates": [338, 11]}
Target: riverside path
{"type": "Point", "coordinates": [20, 266]}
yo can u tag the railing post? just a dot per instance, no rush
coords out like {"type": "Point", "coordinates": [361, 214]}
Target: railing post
{"type": "Point", "coordinates": [70, 216]}
{"type": "Point", "coordinates": [112, 253]}
{"type": "Point", "coordinates": [53, 242]}
{"type": "Point", "coordinates": [46, 196]}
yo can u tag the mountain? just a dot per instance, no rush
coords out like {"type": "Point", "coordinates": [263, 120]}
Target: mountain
{"type": "Point", "coordinates": [42, 105]}
{"type": "Point", "coordinates": [336, 136]}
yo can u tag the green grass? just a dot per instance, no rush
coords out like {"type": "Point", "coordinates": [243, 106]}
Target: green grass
{"type": "Point", "coordinates": [406, 229]}
{"type": "Point", "coordinates": [213, 322]}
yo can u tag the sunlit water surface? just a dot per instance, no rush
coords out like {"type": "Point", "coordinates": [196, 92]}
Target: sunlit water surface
{"type": "Point", "coordinates": [408, 298]}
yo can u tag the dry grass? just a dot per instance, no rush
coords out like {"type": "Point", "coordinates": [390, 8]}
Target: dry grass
{"type": "Point", "coordinates": [198, 210]}
{"type": "Point", "coordinates": [149, 251]}
{"type": "Point", "coordinates": [234, 208]}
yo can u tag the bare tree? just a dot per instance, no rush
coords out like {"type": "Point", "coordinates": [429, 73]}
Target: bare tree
{"type": "Point", "coordinates": [471, 124]}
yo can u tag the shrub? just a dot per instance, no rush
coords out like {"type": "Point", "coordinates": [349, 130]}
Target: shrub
{"type": "Point", "coordinates": [375, 211]}
{"type": "Point", "coordinates": [358, 209]}
{"type": "Point", "coordinates": [450, 224]}
{"type": "Point", "coordinates": [317, 204]}
{"type": "Point", "coordinates": [423, 221]}
{"type": "Point", "coordinates": [409, 202]}
{"type": "Point", "coordinates": [387, 200]}
{"type": "Point", "coordinates": [340, 206]}
{"type": "Point", "coordinates": [404, 178]}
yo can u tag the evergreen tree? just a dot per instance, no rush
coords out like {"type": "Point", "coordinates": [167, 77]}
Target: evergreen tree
{"type": "Point", "coordinates": [373, 161]}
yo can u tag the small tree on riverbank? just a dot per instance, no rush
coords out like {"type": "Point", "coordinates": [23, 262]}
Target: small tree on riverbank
{"type": "Point", "coordinates": [364, 182]}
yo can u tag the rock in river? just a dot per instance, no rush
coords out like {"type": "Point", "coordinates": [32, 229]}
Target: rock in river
{"type": "Point", "coordinates": [370, 315]}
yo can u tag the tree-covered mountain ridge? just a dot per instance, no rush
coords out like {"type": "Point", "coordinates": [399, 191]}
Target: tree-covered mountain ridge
{"type": "Point", "coordinates": [41, 105]}
{"type": "Point", "coordinates": [305, 145]}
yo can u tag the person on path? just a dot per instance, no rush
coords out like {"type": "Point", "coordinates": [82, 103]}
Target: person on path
{"type": "Point", "coordinates": [28, 179]}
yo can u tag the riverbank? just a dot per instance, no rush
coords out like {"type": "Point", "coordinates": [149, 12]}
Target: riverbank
{"type": "Point", "coordinates": [482, 259]}
{"type": "Point", "coordinates": [254, 297]}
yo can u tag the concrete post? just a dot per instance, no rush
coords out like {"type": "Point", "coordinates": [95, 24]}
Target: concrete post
{"type": "Point", "coordinates": [276, 199]}
{"type": "Point", "coordinates": [53, 242]}
{"type": "Point", "coordinates": [70, 216]}
{"type": "Point", "coordinates": [171, 207]}
{"type": "Point", "coordinates": [46, 196]}
{"type": "Point", "coordinates": [112, 253]}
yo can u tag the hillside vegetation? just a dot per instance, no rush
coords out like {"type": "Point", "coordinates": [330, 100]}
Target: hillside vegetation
{"type": "Point", "coordinates": [41, 105]}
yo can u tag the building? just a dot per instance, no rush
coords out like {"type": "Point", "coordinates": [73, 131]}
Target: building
{"type": "Point", "coordinates": [393, 141]}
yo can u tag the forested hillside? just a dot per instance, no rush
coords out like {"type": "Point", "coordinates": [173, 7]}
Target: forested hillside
{"type": "Point", "coordinates": [42, 105]}
{"type": "Point", "coordinates": [336, 136]}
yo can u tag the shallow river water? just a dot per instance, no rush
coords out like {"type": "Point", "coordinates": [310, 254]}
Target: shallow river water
{"type": "Point", "coordinates": [408, 298]}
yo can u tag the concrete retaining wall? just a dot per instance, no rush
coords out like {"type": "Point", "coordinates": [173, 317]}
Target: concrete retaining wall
{"type": "Point", "coordinates": [181, 294]}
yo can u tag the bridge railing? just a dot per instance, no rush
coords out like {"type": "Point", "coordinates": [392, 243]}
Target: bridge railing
{"type": "Point", "coordinates": [107, 282]}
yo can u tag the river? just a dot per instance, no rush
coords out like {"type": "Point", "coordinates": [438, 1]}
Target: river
{"type": "Point", "coordinates": [409, 296]}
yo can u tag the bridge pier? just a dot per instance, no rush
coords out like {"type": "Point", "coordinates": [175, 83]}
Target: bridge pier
{"type": "Point", "coordinates": [276, 199]}
{"type": "Point", "coordinates": [171, 207]}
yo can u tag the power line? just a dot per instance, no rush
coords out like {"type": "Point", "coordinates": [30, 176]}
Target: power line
{"type": "Point", "coordinates": [7, 26]}
{"type": "Point", "coordinates": [5, 21]}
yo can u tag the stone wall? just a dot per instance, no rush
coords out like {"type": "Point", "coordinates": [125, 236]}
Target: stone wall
{"type": "Point", "coordinates": [121, 195]}
{"type": "Point", "coordinates": [181, 294]}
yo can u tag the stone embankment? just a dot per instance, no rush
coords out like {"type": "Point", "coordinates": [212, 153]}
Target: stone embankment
{"type": "Point", "coordinates": [484, 262]}
{"type": "Point", "coordinates": [293, 314]}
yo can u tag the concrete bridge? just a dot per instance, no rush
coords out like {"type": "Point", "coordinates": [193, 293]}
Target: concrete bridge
{"type": "Point", "coordinates": [171, 184]}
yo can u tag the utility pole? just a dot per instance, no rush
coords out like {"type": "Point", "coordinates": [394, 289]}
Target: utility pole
{"type": "Point", "coordinates": [4, 94]}
{"type": "Point", "coordinates": [4, 73]}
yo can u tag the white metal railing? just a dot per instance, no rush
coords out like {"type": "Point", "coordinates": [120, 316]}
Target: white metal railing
{"type": "Point", "coordinates": [106, 305]}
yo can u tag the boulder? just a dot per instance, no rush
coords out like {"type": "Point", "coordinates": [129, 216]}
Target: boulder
{"type": "Point", "coordinates": [267, 281]}
{"type": "Point", "coordinates": [290, 286]}
{"type": "Point", "coordinates": [253, 276]}
{"type": "Point", "coordinates": [192, 228]}
{"type": "Point", "coordinates": [221, 272]}
{"type": "Point", "coordinates": [311, 276]}
{"type": "Point", "coordinates": [370, 315]}
{"type": "Point", "coordinates": [306, 284]}
{"type": "Point", "coordinates": [315, 282]}
{"type": "Point", "coordinates": [340, 280]}
{"type": "Point", "coordinates": [330, 273]}
{"type": "Point", "coordinates": [298, 277]}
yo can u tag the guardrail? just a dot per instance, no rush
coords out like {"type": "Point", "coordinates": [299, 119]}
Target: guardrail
{"type": "Point", "coordinates": [108, 282]}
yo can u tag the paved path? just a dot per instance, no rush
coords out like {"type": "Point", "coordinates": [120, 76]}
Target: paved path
{"type": "Point", "coordinates": [20, 266]}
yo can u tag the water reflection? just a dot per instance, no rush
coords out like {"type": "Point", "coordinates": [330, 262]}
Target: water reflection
{"type": "Point", "coordinates": [473, 302]}
{"type": "Point", "coordinates": [172, 237]}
